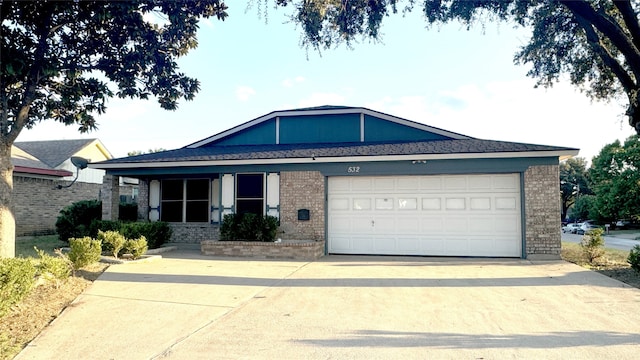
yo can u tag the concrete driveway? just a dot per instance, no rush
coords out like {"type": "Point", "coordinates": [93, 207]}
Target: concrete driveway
{"type": "Point", "coordinates": [187, 306]}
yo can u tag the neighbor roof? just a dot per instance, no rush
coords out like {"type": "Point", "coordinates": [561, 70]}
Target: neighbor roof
{"type": "Point", "coordinates": [26, 163]}
{"type": "Point", "coordinates": [54, 152]}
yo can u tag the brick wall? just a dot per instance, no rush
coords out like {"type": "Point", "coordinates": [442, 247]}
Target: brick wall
{"type": "Point", "coordinates": [265, 250]}
{"type": "Point", "coordinates": [542, 212]}
{"type": "Point", "coordinates": [37, 202]}
{"type": "Point", "coordinates": [193, 233]}
{"type": "Point", "coordinates": [301, 190]}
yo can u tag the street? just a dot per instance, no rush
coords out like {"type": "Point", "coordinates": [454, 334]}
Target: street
{"type": "Point", "coordinates": [614, 242]}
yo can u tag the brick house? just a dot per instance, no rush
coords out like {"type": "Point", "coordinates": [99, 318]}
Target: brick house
{"type": "Point", "coordinates": [364, 182]}
{"type": "Point", "coordinates": [39, 168]}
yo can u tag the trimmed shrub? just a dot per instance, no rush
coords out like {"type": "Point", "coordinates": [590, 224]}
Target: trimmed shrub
{"type": "Point", "coordinates": [248, 227]}
{"type": "Point", "coordinates": [592, 244]}
{"type": "Point", "coordinates": [17, 277]}
{"type": "Point", "coordinates": [52, 267]}
{"type": "Point", "coordinates": [157, 233]}
{"type": "Point", "coordinates": [113, 240]}
{"type": "Point", "coordinates": [136, 247]}
{"type": "Point", "coordinates": [128, 212]}
{"type": "Point", "coordinates": [104, 225]}
{"type": "Point", "coordinates": [84, 251]}
{"type": "Point", "coordinates": [75, 220]}
{"type": "Point", "coordinates": [229, 227]}
{"type": "Point", "coordinates": [634, 258]}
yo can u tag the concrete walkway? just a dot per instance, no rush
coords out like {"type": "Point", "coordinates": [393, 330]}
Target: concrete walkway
{"type": "Point", "coordinates": [186, 306]}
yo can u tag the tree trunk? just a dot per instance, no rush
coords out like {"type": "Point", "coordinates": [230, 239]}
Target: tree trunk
{"type": "Point", "coordinates": [7, 220]}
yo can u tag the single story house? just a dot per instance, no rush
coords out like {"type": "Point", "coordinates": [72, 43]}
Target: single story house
{"type": "Point", "coordinates": [363, 181]}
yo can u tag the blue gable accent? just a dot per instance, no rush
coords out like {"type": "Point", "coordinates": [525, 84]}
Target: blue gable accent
{"type": "Point", "coordinates": [334, 128]}
{"type": "Point", "coordinates": [260, 134]}
{"type": "Point", "coordinates": [376, 129]}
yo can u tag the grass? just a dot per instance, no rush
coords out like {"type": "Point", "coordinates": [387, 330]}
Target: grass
{"type": "Point", "coordinates": [25, 244]}
{"type": "Point", "coordinates": [612, 264]}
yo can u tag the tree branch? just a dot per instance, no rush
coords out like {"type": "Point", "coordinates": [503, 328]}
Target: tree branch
{"type": "Point", "coordinates": [594, 41]}
{"type": "Point", "coordinates": [630, 19]}
{"type": "Point", "coordinates": [610, 29]}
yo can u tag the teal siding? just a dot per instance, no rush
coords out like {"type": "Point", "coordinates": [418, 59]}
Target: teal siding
{"type": "Point", "coordinates": [261, 134]}
{"type": "Point", "coordinates": [376, 129]}
{"type": "Point", "coordinates": [320, 129]}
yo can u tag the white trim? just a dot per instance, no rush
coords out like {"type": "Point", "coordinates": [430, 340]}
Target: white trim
{"type": "Point", "coordinates": [277, 130]}
{"type": "Point", "coordinates": [350, 110]}
{"type": "Point", "coordinates": [361, 127]}
{"type": "Point", "coordinates": [342, 159]}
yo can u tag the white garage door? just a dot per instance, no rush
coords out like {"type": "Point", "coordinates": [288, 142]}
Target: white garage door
{"type": "Point", "coordinates": [448, 215]}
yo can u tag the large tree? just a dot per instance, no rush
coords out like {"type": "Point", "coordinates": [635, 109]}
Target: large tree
{"type": "Point", "coordinates": [615, 178]}
{"type": "Point", "coordinates": [62, 60]}
{"type": "Point", "coordinates": [594, 43]}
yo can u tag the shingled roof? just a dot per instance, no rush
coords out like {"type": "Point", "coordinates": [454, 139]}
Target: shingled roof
{"type": "Point", "coordinates": [54, 152]}
{"type": "Point", "coordinates": [293, 151]}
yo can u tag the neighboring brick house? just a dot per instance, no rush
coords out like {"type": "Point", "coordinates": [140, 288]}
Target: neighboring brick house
{"type": "Point", "coordinates": [363, 181]}
{"type": "Point", "coordinates": [39, 167]}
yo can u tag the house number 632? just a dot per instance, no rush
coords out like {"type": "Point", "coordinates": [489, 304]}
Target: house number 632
{"type": "Point", "coordinates": [353, 169]}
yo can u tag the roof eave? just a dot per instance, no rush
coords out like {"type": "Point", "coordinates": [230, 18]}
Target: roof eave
{"type": "Point", "coordinates": [561, 154]}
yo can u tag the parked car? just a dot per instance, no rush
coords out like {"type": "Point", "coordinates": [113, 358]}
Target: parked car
{"type": "Point", "coordinates": [571, 228]}
{"type": "Point", "coordinates": [623, 224]}
{"type": "Point", "coordinates": [586, 226]}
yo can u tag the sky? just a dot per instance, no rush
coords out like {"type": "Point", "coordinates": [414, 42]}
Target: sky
{"type": "Point", "coordinates": [447, 77]}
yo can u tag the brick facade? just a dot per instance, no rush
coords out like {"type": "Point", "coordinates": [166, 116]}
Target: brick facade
{"type": "Point", "coordinates": [542, 212]}
{"type": "Point", "coordinates": [302, 190]}
{"type": "Point", "coordinates": [265, 250]}
{"type": "Point", "coordinates": [194, 233]}
{"type": "Point", "coordinates": [143, 200]}
{"type": "Point", "coordinates": [110, 197]}
{"type": "Point", "coordinates": [37, 202]}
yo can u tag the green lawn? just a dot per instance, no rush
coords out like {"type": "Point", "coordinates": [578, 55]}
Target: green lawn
{"type": "Point", "coordinates": [25, 244]}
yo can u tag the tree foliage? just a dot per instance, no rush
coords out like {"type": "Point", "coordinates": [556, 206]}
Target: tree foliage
{"type": "Point", "coordinates": [61, 59]}
{"type": "Point", "coordinates": [595, 43]}
{"type": "Point", "coordinates": [615, 177]}
{"type": "Point", "coordinates": [573, 182]}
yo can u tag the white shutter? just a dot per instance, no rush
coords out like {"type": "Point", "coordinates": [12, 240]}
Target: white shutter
{"type": "Point", "coordinates": [228, 194]}
{"type": "Point", "coordinates": [215, 200]}
{"type": "Point", "coordinates": [273, 195]}
{"type": "Point", "coordinates": [154, 200]}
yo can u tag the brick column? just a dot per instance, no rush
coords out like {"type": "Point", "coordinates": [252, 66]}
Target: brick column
{"type": "Point", "coordinates": [110, 197]}
{"type": "Point", "coordinates": [542, 211]}
{"type": "Point", "coordinates": [143, 200]}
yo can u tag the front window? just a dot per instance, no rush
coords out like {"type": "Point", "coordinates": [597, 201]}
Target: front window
{"type": "Point", "coordinates": [250, 194]}
{"type": "Point", "coordinates": [185, 200]}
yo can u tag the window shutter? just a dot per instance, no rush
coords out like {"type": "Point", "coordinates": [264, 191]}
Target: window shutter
{"type": "Point", "coordinates": [228, 194]}
{"type": "Point", "coordinates": [154, 200]}
{"type": "Point", "coordinates": [273, 195]}
{"type": "Point", "coordinates": [215, 200]}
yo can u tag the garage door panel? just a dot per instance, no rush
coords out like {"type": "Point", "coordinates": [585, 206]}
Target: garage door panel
{"type": "Point", "coordinates": [408, 225]}
{"type": "Point", "coordinates": [455, 183]}
{"type": "Point", "coordinates": [361, 204]}
{"type": "Point", "coordinates": [481, 225]}
{"type": "Point", "coordinates": [361, 225]}
{"type": "Point", "coordinates": [339, 204]}
{"type": "Point", "coordinates": [408, 245]}
{"type": "Point", "coordinates": [448, 215]}
{"type": "Point", "coordinates": [455, 225]}
{"type": "Point", "coordinates": [432, 224]}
